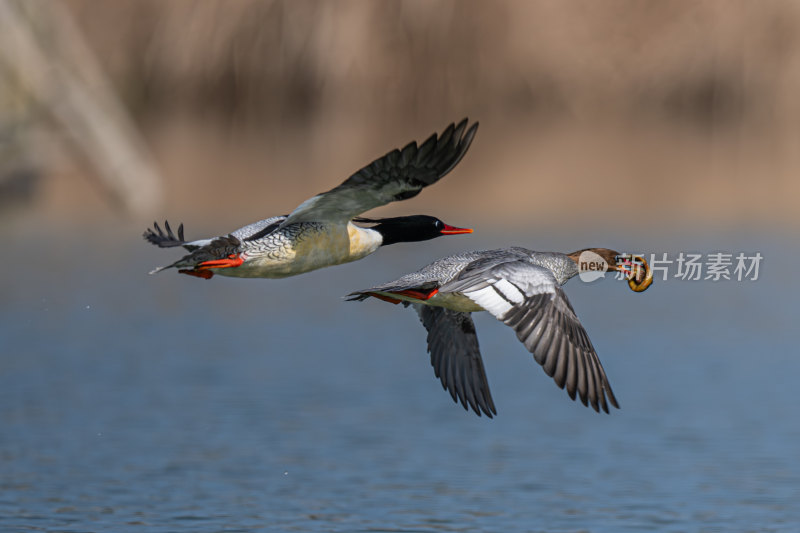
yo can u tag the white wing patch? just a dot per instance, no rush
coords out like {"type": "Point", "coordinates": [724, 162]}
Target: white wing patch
{"type": "Point", "coordinates": [490, 299]}
{"type": "Point", "coordinates": [510, 291]}
{"type": "Point", "coordinates": [501, 295]}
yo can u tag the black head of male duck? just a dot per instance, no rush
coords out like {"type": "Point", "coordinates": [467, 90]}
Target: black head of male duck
{"type": "Point", "coordinates": [413, 228]}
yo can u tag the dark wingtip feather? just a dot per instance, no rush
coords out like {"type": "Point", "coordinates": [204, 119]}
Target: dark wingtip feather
{"type": "Point", "coordinates": [487, 405]}
{"type": "Point", "coordinates": [162, 239]}
{"type": "Point", "coordinates": [450, 147]}
{"type": "Point", "coordinates": [611, 398]}
{"type": "Point", "coordinates": [583, 399]}
{"type": "Point", "coordinates": [446, 135]}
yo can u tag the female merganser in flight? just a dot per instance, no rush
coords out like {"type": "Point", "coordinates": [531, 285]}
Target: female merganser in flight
{"type": "Point", "coordinates": [521, 288]}
{"type": "Point", "coordinates": [320, 231]}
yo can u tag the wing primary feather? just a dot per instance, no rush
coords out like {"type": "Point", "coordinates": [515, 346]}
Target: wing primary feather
{"type": "Point", "coordinates": [599, 384]}
{"type": "Point", "coordinates": [466, 391]}
{"type": "Point", "coordinates": [583, 382]}
{"type": "Point", "coordinates": [552, 349]}
{"type": "Point", "coordinates": [530, 322]}
{"type": "Point", "coordinates": [425, 149]}
{"type": "Point", "coordinates": [542, 346]}
{"type": "Point", "coordinates": [451, 378]}
{"type": "Point", "coordinates": [611, 397]}
{"type": "Point", "coordinates": [447, 134]}
{"type": "Point", "coordinates": [407, 155]}
{"type": "Point", "coordinates": [465, 143]}
{"type": "Point", "coordinates": [560, 374]}
{"type": "Point", "coordinates": [591, 382]}
{"type": "Point", "coordinates": [393, 158]}
{"type": "Point", "coordinates": [571, 379]}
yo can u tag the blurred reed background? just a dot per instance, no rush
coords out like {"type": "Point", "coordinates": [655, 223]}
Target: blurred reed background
{"type": "Point", "coordinates": [666, 113]}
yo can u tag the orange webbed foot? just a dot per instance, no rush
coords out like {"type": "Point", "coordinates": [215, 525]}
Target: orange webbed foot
{"type": "Point", "coordinates": [205, 274]}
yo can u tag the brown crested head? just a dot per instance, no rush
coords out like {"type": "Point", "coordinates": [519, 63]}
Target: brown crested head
{"type": "Point", "coordinates": [635, 267]}
{"type": "Point", "coordinates": [595, 259]}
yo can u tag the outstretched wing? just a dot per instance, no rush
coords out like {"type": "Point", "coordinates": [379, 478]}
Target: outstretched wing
{"type": "Point", "coordinates": [166, 239]}
{"type": "Point", "coordinates": [398, 175]}
{"type": "Point", "coordinates": [456, 357]}
{"type": "Point", "coordinates": [527, 298]}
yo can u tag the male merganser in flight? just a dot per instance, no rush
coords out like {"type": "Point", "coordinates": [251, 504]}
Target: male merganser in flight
{"type": "Point", "coordinates": [521, 288]}
{"type": "Point", "coordinates": [320, 231]}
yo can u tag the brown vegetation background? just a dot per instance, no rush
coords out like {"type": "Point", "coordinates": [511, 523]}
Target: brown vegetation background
{"type": "Point", "coordinates": [668, 112]}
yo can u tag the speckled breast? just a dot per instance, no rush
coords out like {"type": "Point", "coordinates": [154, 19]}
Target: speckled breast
{"type": "Point", "coordinates": [296, 249]}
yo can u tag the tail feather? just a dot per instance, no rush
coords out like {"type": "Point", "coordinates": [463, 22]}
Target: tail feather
{"type": "Point", "coordinates": [159, 269]}
{"type": "Point", "coordinates": [357, 296]}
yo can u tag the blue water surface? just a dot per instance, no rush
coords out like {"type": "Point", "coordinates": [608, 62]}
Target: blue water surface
{"type": "Point", "coordinates": [167, 403]}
